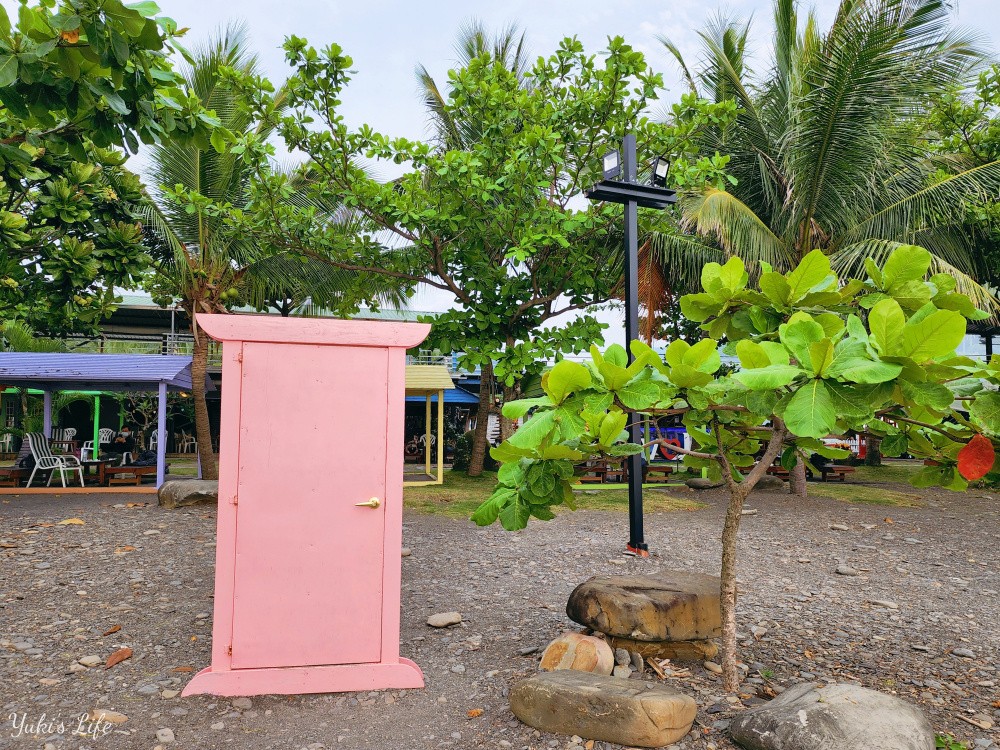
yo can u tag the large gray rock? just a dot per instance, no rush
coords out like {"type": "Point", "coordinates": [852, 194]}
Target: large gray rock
{"type": "Point", "coordinates": [769, 483]}
{"type": "Point", "coordinates": [178, 493]}
{"type": "Point", "coordinates": [625, 712]}
{"type": "Point", "coordinates": [673, 605]}
{"type": "Point", "coordinates": [699, 483]}
{"type": "Point", "coordinates": [835, 717]}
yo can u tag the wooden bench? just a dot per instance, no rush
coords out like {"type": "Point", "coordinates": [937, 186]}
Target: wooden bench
{"type": "Point", "coordinates": [835, 473]}
{"type": "Point", "coordinates": [658, 473]}
{"type": "Point", "coordinates": [778, 471]}
{"type": "Point", "coordinates": [126, 474]}
{"type": "Point", "coordinates": [592, 472]}
{"type": "Point", "coordinates": [11, 476]}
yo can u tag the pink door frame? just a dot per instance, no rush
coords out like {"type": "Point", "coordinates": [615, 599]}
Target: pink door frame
{"type": "Point", "coordinates": [306, 675]}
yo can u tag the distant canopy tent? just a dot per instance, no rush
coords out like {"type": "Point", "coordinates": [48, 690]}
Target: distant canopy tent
{"type": "Point", "coordinates": [430, 383]}
{"type": "Point", "coordinates": [50, 373]}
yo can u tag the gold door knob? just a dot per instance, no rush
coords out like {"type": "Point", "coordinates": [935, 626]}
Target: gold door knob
{"type": "Point", "coordinates": [373, 503]}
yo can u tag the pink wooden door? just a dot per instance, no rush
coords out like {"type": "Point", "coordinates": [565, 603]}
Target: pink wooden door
{"type": "Point", "coordinates": [312, 444]}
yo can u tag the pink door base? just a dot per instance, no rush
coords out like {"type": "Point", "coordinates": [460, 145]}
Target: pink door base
{"type": "Point", "coordinates": [341, 678]}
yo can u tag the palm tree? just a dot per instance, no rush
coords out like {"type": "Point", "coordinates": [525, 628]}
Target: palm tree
{"type": "Point", "coordinates": [828, 147]}
{"type": "Point", "coordinates": [201, 265]}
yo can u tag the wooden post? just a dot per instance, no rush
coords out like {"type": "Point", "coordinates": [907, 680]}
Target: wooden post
{"type": "Point", "coordinates": [47, 414]}
{"type": "Point", "coordinates": [440, 438]}
{"type": "Point", "coordinates": [427, 437]}
{"type": "Point", "coordinates": [161, 435]}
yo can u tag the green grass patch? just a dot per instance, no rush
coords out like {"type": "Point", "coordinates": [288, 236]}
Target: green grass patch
{"type": "Point", "coordinates": [890, 472]}
{"type": "Point", "coordinates": [460, 495]}
{"type": "Point", "coordinates": [865, 495]}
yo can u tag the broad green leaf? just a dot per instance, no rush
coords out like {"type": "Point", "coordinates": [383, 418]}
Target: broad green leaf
{"type": "Point", "coordinates": [639, 395]}
{"type": "Point", "coordinates": [777, 353]}
{"type": "Point", "coordinates": [534, 431]}
{"type": "Point", "coordinates": [703, 356]}
{"type": "Point", "coordinates": [674, 355]}
{"type": "Point", "coordinates": [517, 409]}
{"type": "Point", "coordinates": [775, 287]}
{"type": "Point", "coordinates": [875, 273]}
{"type": "Point", "coordinates": [812, 274]}
{"type": "Point", "coordinates": [849, 400]}
{"type": "Point", "coordinates": [821, 355]}
{"type": "Point", "coordinates": [863, 370]}
{"type": "Point", "coordinates": [985, 411]}
{"type": "Point", "coordinates": [614, 375]}
{"type": "Point", "coordinates": [616, 355]}
{"type": "Point", "coordinates": [515, 515]}
{"type": "Point", "coordinates": [932, 395]}
{"type": "Point", "coordinates": [711, 278]}
{"type": "Point", "coordinates": [612, 426]}
{"type": "Point", "coordinates": [685, 376]}
{"type": "Point", "coordinates": [8, 70]}
{"type": "Point", "coordinates": [768, 378]}
{"type": "Point", "coordinates": [564, 378]}
{"type": "Point", "coordinates": [936, 335]}
{"type": "Point", "coordinates": [561, 452]}
{"type": "Point", "coordinates": [911, 294]}
{"type": "Point", "coordinates": [894, 445]}
{"type": "Point", "coordinates": [505, 453]}
{"type": "Point", "coordinates": [886, 321]}
{"type": "Point", "coordinates": [751, 354]}
{"type": "Point", "coordinates": [799, 335]}
{"type": "Point", "coordinates": [733, 274]}
{"type": "Point", "coordinates": [488, 512]}
{"type": "Point", "coordinates": [810, 412]}
{"type": "Point", "coordinates": [943, 282]}
{"type": "Point", "coordinates": [700, 307]}
{"type": "Point", "coordinates": [905, 263]}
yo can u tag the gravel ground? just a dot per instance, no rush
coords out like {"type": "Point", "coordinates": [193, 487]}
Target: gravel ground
{"type": "Point", "coordinates": [919, 619]}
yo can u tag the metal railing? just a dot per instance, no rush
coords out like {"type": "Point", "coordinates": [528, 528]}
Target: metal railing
{"type": "Point", "coordinates": [124, 343]}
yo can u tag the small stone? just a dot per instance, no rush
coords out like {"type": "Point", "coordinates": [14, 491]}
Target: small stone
{"type": "Point", "coordinates": [49, 681]}
{"type": "Point", "coordinates": [638, 663]}
{"type": "Point", "coordinates": [150, 689]}
{"type": "Point", "coordinates": [583, 653]}
{"type": "Point", "coordinates": [406, 552]}
{"type": "Point", "coordinates": [170, 693]}
{"type": "Point", "coordinates": [918, 647]}
{"type": "Point", "coordinates": [165, 735]}
{"type": "Point", "coordinates": [458, 669]}
{"type": "Point", "coordinates": [711, 666]}
{"type": "Point", "coordinates": [104, 714]}
{"type": "Point", "coordinates": [43, 566]}
{"type": "Point", "coordinates": [840, 527]}
{"type": "Point", "coordinates": [846, 570]}
{"type": "Point", "coordinates": [964, 652]}
{"type": "Point", "coordinates": [444, 619]}
{"type": "Point", "coordinates": [527, 651]}
{"type": "Point", "coordinates": [622, 671]}
{"type": "Point", "coordinates": [885, 603]}
{"type": "Point", "coordinates": [622, 657]}
{"type": "Point", "coordinates": [243, 704]}
{"type": "Point", "coordinates": [218, 725]}
{"type": "Point", "coordinates": [749, 512]}
{"type": "Point", "coordinates": [758, 632]}
{"type": "Point", "coordinates": [91, 661]}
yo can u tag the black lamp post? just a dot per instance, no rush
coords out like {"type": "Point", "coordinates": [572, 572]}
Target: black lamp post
{"type": "Point", "coordinates": [630, 193]}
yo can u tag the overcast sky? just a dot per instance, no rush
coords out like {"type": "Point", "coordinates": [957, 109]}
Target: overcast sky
{"type": "Point", "coordinates": [387, 38]}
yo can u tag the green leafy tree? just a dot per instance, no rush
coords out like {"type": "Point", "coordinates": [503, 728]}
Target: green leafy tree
{"type": "Point", "coordinates": [485, 210]}
{"type": "Point", "coordinates": [817, 358]}
{"type": "Point", "coordinates": [80, 79]}
{"type": "Point", "coordinates": [829, 148]}
{"type": "Point", "coordinates": [202, 263]}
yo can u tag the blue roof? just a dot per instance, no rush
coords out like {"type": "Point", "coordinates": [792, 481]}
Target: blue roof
{"type": "Point", "coordinates": [453, 396]}
{"type": "Point", "coordinates": [96, 372]}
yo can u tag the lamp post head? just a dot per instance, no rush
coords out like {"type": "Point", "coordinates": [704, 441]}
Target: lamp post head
{"type": "Point", "coordinates": [612, 164]}
{"type": "Point", "coordinates": [661, 166]}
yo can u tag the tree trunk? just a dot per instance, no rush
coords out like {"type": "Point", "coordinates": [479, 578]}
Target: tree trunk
{"type": "Point", "coordinates": [873, 452]}
{"type": "Point", "coordinates": [480, 438]}
{"type": "Point", "coordinates": [797, 478]}
{"type": "Point", "coordinates": [508, 426]}
{"type": "Point", "coordinates": [730, 531]}
{"type": "Point", "coordinates": [202, 426]}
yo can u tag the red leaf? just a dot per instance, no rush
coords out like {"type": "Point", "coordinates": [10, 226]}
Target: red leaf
{"type": "Point", "coordinates": [976, 459]}
{"type": "Point", "coordinates": [118, 656]}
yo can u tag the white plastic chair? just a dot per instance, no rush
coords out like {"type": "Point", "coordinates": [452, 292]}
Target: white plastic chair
{"type": "Point", "coordinates": [47, 461]}
{"type": "Point", "coordinates": [187, 443]}
{"type": "Point", "coordinates": [105, 436]}
{"type": "Point", "coordinates": [6, 443]}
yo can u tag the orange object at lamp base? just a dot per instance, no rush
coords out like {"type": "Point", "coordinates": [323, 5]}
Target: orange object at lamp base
{"type": "Point", "coordinates": [636, 551]}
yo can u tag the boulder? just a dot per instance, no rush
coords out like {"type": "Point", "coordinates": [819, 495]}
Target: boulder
{"type": "Point", "coordinates": [444, 619]}
{"type": "Point", "coordinates": [178, 493]}
{"type": "Point", "coordinates": [624, 712]}
{"type": "Point", "coordinates": [584, 653]}
{"type": "Point", "coordinates": [697, 483]}
{"type": "Point", "coordinates": [671, 606]}
{"type": "Point", "coordinates": [834, 717]}
{"type": "Point", "coordinates": [673, 650]}
{"type": "Point", "coordinates": [770, 483]}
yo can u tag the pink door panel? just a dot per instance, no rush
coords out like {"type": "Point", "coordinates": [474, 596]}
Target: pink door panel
{"type": "Point", "coordinates": [312, 445]}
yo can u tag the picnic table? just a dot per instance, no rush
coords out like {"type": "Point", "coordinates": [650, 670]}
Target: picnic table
{"type": "Point", "coordinates": [11, 476]}
{"type": "Point", "coordinates": [832, 473]}
{"type": "Point", "coordinates": [112, 475]}
{"type": "Point", "coordinates": [659, 472]}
